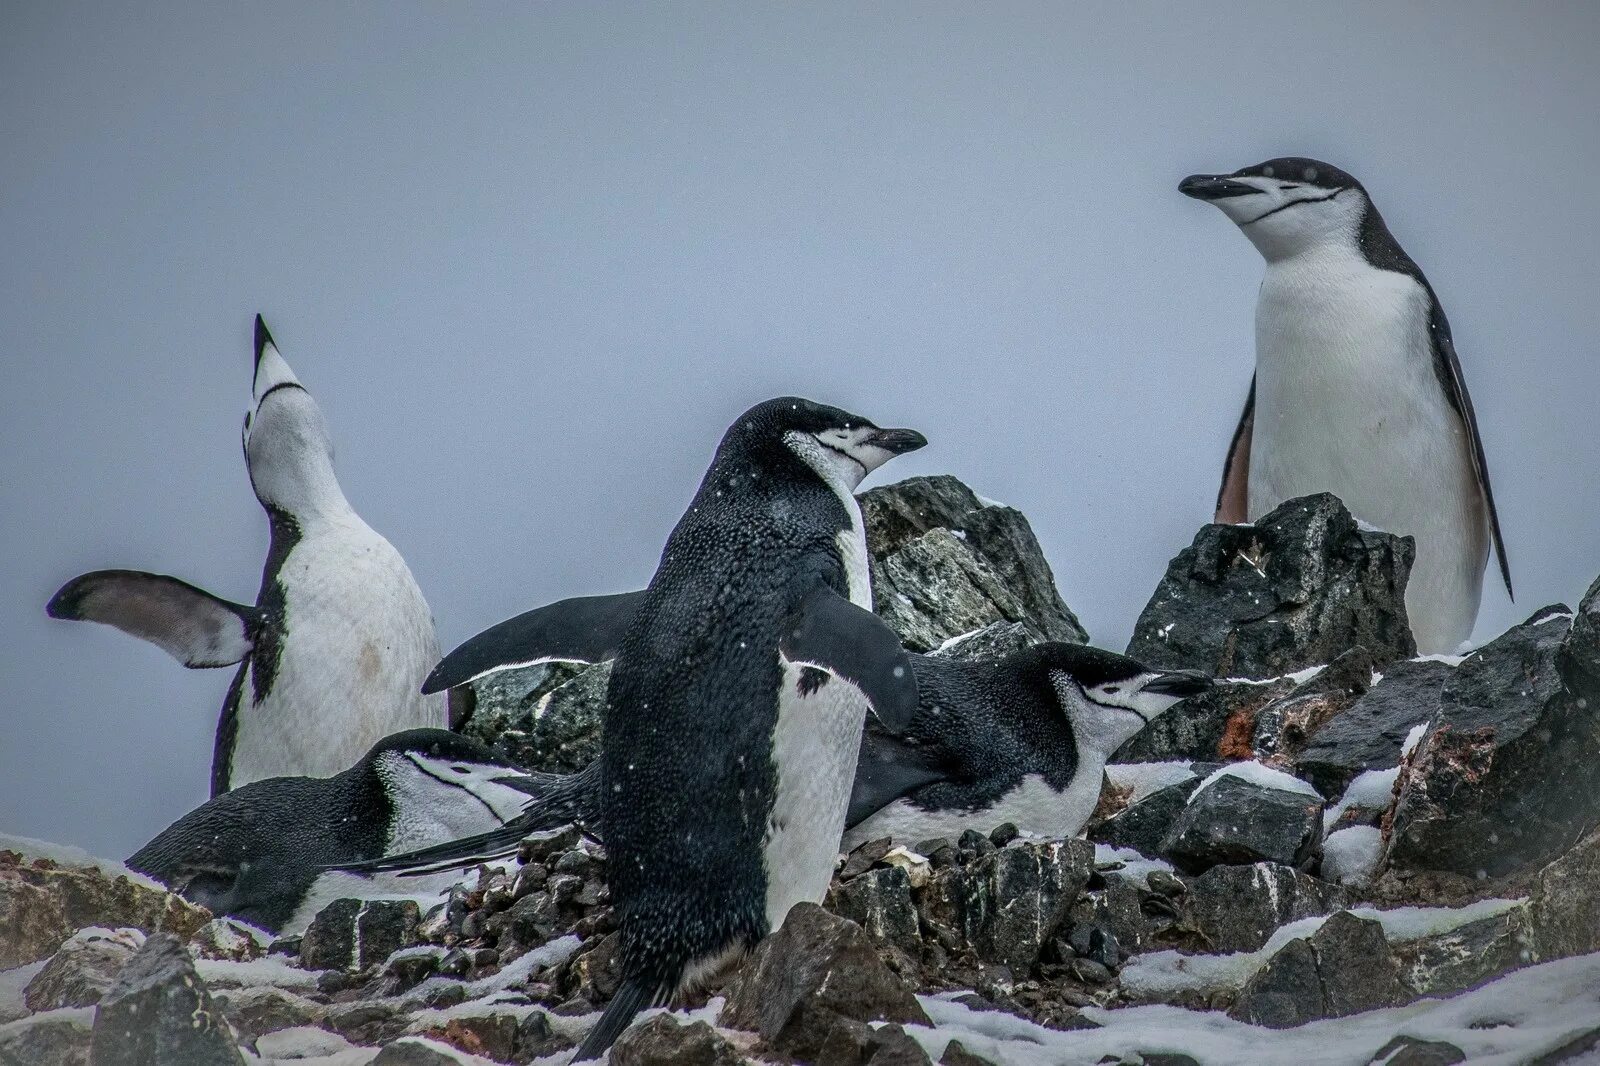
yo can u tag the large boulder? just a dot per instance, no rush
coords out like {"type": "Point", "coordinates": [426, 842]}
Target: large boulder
{"type": "Point", "coordinates": [665, 1041]}
{"type": "Point", "coordinates": [160, 1011]}
{"type": "Point", "coordinates": [353, 934]}
{"type": "Point", "coordinates": [545, 717]}
{"type": "Point", "coordinates": [1016, 898]}
{"type": "Point", "coordinates": [945, 563]}
{"type": "Point", "coordinates": [816, 972]}
{"type": "Point", "coordinates": [1244, 820]}
{"type": "Point", "coordinates": [1370, 734]}
{"type": "Point", "coordinates": [83, 970]}
{"type": "Point", "coordinates": [1505, 777]}
{"type": "Point", "coordinates": [54, 1038]}
{"type": "Point", "coordinates": [1298, 588]}
{"type": "Point", "coordinates": [1238, 908]}
{"type": "Point", "coordinates": [48, 893]}
{"type": "Point", "coordinates": [1344, 968]}
{"type": "Point", "coordinates": [1216, 725]}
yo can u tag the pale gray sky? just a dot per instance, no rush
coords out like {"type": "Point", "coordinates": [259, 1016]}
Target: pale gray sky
{"type": "Point", "coordinates": [531, 259]}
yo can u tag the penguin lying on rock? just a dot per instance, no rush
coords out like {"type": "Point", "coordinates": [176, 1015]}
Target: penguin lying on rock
{"type": "Point", "coordinates": [1021, 739]}
{"type": "Point", "coordinates": [259, 853]}
{"type": "Point", "coordinates": [333, 651]}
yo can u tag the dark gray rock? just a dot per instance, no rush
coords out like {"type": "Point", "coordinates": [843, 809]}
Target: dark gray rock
{"type": "Point", "coordinates": [1296, 589]}
{"type": "Point", "coordinates": [1237, 822]}
{"type": "Point", "coordinates": [83, 970]}
{"type": "Point", "coordinates": [160, 1011]}
{"type": "Point", "coordinates": [1561, 904]}
{"type": "Point", "coordinates": [880, 902]}
{"type": "Point", "coordinates": [1218, 724]}
{"type": "Point", "coordinates": [956, 1054]}
{"type": "Point", "coordinates": [1343, 969]}
{"type": "Point", "coordinates": [944, 564]}
{"type": "Point", "coordinates": [1442, 964]}
{"type": "Point", "coordinates": [815, 969]}
{"type": "Point", "coordinates": [415, 1051]}
{"type": "Point", "coordinates": [1016, 898]}
{"type": "Point", "coordinates": [665, 1041]}
{"type": "Point", "coordinates": [994, 641]}
{"type": "Point", "coordinates": [1369, 735]}
{"type": "Point", "coordinates": [853, 1043]}
{"type": "Point", "coordinates": [352, 934]}
{"type": "Point", "coordinates": [1142, 826]}
{"type": "Point", "coordinates": [1237, 908]}
{"type": "Point", "coordinates": [55, 1038]}
{"type": "Point", "coordinates": [1503, 779]}
{"type": "Point", "coordinates": [264, 1009]}
{"type": "Point", "coordinates": [1413, 1051]}
{"type": "Point", "coordinates": [1282, 727]}
{"type": "Point", "coordinates": [368, 1021]}
{"type": "Point", "coordinates": [543, 717]}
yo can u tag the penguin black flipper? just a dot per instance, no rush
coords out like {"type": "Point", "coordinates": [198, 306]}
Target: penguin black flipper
{"type": "Point", "coordinates": [558, 800]}
{"type": "Point", "coordinates": [1233, 495]}
{"type": "Point", "coordinates": [584, 629]}
{"type": "Point", "coordinates": [887, 769]}
{"type": "Point", "coordinates": [190, 624]}
{"type": "Point", "coordinates": [1447, 368]}
{"type": "Point", "coordinates": [832, 634]}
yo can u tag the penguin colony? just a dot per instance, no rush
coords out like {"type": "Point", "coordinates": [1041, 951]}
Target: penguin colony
{"type": "Point", "coordinates": [758, 712]}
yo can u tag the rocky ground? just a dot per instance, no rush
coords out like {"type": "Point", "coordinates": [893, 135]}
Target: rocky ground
{"type": "Point", "coordinates": [1342, 854]}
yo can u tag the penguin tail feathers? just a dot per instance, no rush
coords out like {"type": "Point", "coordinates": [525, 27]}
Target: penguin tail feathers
{"type": "Point", "coordinates": [634, 995]}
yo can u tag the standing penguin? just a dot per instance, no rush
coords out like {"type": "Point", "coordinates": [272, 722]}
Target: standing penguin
{"type": "Point", "coordinates": [741, 682]}
{"type": "Point", "coordinates": [260, 852]}
{"type": "Point", "coordinates": [334, 651]}
{"type": "Point", "coordinates": [1357, 390]}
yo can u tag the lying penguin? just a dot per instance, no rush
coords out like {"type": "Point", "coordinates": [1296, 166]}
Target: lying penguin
{"type": "Point", "coordinates": [1022, 739]}
{"type": "Point", "coordinates": [259, 852]}
{"type": "Point", "coordinates": [334, 650]}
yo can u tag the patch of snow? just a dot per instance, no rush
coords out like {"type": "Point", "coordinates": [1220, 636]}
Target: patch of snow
{"type": "Point", "coordinates": [1413, 738]}
{"type": "Point", "coordinates": [1448, 660]}
{"type": "Point", "coordinates": [1162, 973]}
{"type": "Point", "coordinates": [1147, 777]}
{"type": "Point", "coordinates": [12, 984]}
{"type": "Point", "coordinates": [75, 858]}
{"type": "Point", "coordinates": [984, 501]}
{"type": "Point", "coordinates": [955, 641]}
{"type": "Point", "coordinates": [1350, 855]}
{"type": "Point", "coordinates": [454, 1054]}
{"type": "Point", "coordinates": [512, 973]}
{"type": "Point", "coordinates": [1372, 789]}
{"type": "Point", "coordinates": [1261, 775]}
{"type": "Point", "coordinates": [1299, 677]}
{"type": "Point", "coordinates": [274, 970]}
{"type": "Point", "coordinates": [300, 1042]}
{"type": "Point", "coordinates": [959, 534]}
{"type": "Point", "coordinates": [1554, 616]}
{"type": "Point", "coordinates": [1135, 866]}
{"type": "Point", "coordinates": [1511, 1020]}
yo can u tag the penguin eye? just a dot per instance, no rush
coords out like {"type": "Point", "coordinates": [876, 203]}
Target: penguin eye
{"type": "Point", "coordinates": [1266, 172]}
{"type": "Point", "coordinates": [1109, 689]}
{"type": "Point", "coordinates": [460, 769]}
{"type": "Point", "coordinates": [1309, 173]}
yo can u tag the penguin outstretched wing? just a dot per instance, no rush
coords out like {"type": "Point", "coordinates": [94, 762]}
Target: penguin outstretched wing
{"type": "Point", "coordinates": [558, 800]}
{"type": "Point", "coordinates": [829, 632]}
{"type": "Point", "coordinates": [190, 624]}
{"type": "Point", "coordinates": [1233, 497]}
{"type": "Point", "coordinates": [887, 769]}
{"type": "Point", "coordinates": [1447, 368]}
{"type": "Point", "coordinates": [584, 629]}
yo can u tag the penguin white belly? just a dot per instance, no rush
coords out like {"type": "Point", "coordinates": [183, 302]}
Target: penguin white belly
{"type": "Point", "coordinates": [358, 642]}
{"type": "Point", "coordinates": [814, 749]}
{"type": "Point", "coordinates": [1347, 402]}
{"type": "Point", "coordinates": [1032, 806]}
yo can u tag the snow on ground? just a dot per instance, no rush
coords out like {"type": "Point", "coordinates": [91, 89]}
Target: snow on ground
{"type": "Point", "coordinates": [66, 855]}
{"type": "Point", "coordinates": [1134, 865]}
{"type": "Point", "coordinates": [1372, 789]}
{"type": "Point", "coordinates": [1350, 855]}
{"type": "Point", "coordinates": [1508, 1021]}
{"type": "Point", "coordinates": [1162, 973]}
{"type": "Point", "coordinates": [1260, 774]}
{"type": "Point", "coordinates": [12, 984]}
{"type": "Point", "coordinates": [1144, 778]}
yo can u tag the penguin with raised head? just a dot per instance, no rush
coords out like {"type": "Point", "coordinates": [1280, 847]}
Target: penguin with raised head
{"type": "Point", "coordinates": [741, 680]}
{"type": "Point", "coordinates": [1357, 389]}
{"type": "Point", "coordinates": [260, 852]}
{"type": "Point", "coordinates": [1022, 739]}
{"type": "Point", "coordinates": [333, 652]}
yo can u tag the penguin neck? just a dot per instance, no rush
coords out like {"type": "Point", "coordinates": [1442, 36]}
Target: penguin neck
{"type": "Point", "coordinates": [310, 492]}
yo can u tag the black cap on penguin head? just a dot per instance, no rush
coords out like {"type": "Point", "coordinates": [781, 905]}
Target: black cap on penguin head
{"type": "Point", "coordinates": [791, 425]}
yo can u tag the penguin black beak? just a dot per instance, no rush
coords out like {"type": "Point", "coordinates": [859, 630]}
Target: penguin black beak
{"type": "Point", "coordinates": [263, 338]}
{"type": "Point", "coordinates": [897, 441]}
{"type": "Point", "coordinates": [1214, 187]}
{"type": "Point", "coordinates": [1181, 685]}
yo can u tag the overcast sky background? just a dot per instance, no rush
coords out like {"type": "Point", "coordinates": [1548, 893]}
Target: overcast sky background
{"type": "Point", "coordinates": [532, 259]}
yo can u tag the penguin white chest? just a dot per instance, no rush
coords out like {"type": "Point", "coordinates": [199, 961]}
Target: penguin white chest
{"type": "Point", "coordinates": [1348, 402]}
{"type": "Point", "coordinates": [814, 749]}
{"type": "Point", "coordinates": [357, 640]}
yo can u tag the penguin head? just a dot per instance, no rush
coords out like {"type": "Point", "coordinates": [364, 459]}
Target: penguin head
{"type": "Point", "coordinates": [287, 447]}
{"type": "Point", "coordinates": [1107, 697]}
{"type": "Point", "coordinates": [1286, 205]}
{"type": "Point", "coordinates": [442, 785]}
{"type": "Point", "coordinates": [840, 447]}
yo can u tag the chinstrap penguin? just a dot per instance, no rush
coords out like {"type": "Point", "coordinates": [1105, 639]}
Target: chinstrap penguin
{"type": "Point", "coordinates": [742, 676]}
{"type": "Point", "coordinates": [1357, 389]}
{"type": "Point", "coordinates": [1021, 739]}
{"type": "Point", "coordinates": [334, 650]}
{"type": "Point", "coordinates": [260, 852]}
